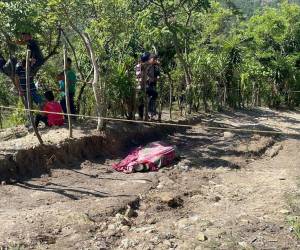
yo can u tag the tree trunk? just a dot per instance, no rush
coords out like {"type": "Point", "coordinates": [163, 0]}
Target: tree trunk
{"type": "Point", "coordinates": [67, 93]}
{"type": "Point", "coordinates": [29, 102]}
{"type": "Point", "coordinates": [160, 102]}
{"type": "Point", "coordinates": [145, 68]}
{"type": "Point", "coordinates": [80, 94]}
{"type": "Point", "coordinates": [1, 123]}
{"type": "Point", "coordinates": [205, 94]}
{"type": "Point", "coordinates": [253, 94]}
{"type": "Point", "coordinates": [98, 91]}
{"type": "Point", "coordinates": [170, 95]}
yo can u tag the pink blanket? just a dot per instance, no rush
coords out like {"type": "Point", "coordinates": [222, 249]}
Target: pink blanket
{"type": "Point", "coordinates": [149, 158]}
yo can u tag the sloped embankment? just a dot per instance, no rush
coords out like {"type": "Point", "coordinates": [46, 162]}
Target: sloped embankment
{"type": "Point", "coordinates": [37, 160]}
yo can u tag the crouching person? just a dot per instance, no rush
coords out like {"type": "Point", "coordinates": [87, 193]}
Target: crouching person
{"type": "Point", "coordinates": [50, 119]}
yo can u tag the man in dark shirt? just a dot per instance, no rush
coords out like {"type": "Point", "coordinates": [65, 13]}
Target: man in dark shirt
{"type": "Point", "coordinates": [37, 57]}
{"type": "Point", "coordinates": [153, 76]}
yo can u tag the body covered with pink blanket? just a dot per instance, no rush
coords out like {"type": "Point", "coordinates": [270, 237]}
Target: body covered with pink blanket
{"type": "Point", "coordinates": [149, 158]}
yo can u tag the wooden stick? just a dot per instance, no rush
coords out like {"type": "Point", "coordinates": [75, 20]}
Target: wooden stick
{"type": "Point", "coordinates": [160, 99]}
{"type": "Point", "coordinates": [1, 124]}
{"type": "Point", "coordinates": [145, 68]}
{"type": "Point", "coordinates": [170, 95]}
{"type": "Point", "coordinates": [67, 93]}
{"type": "Point", "coordinates": [29, 101]}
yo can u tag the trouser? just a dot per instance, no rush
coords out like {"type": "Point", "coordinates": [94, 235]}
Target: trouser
{"type": "Point", "coordinates": [37, 64]}
{"type": "Point", "coordinates": [35, 97]}
{"type": "Point", "coordinates": [63, 104]}
{"type": "Point", "coordinates": [152, 97]}
{"type": "Point", "coordinates": [41, 118]}
{"type": "Point", "coordinates": [140, 100]}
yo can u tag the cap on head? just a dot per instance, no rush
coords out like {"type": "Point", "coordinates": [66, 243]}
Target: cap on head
{"type": "Point", "coordinates": [145, 57]}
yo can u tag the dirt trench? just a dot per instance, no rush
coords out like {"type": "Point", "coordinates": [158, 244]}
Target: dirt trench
{"type": "Point", "coordinates": [35, 161]}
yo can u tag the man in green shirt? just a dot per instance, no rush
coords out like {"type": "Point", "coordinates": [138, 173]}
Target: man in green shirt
{"type": "Point", "coordinates": [72, 79]}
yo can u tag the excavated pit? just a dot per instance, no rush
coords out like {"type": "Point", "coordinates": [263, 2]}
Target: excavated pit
{"type": "Point", "coordinates": [36, 161]}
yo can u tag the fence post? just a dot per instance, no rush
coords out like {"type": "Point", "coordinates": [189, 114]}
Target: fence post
{"type": "Point", "coordinates": [160, 100]}
{"type": "Point", "coordinates": [1, 124]}
{"type": "Point", "coordinates": [28, 95]}
{"type": "Point", "coordinates": [67, 93]}
{"type": "Point", "coordinates": [145, 69]}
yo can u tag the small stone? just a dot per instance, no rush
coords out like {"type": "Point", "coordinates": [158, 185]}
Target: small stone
{"type": "Point", "coordinates": [151, 221]}
{"type": "Point", "coordinates": [195, 218]}
{"type": "Point", "coordinates": [171, 199]}
{"type": "Point", "coordinates": [121, 219]}
{"type": "Point", "coordinates": [228, 135]}
{"type": "Point", "coordinates": [3, 183]}
{"type": "Point", "coordinates": [201, 237]}
{"type": "Point", "coordinates": [112, 227]}
{"type": "Point", "coordinates": [125, 228]}
{"type": "Point", "coordinates": [127, 243]}
{"type": "Point", "coordinates": [167, 243]}
{"type": "Point", "coordinates": [215, 199]}
{"type": "Point", "coordinates": [274, 151]}
{"type": "Point", "coordinates": [285, 211]}
{"type": "Point", "coordinates": [155, 240]}
{"type": "Point", "coordinates": [183, 224]}
{"type": "Point", "coordinates": [146, 229]}
{"type": "Point", "coordinates": [244, 244]}
{"type": "Point", "coordinates": [129, 212]}
{"type": "Point", "coordinates": [166, 181]}
{"type": "Point", "coordinates": [185, 168]}
{"type": "Point", "coordinates": [245, 221]}
{"type": "Point", "coordinates": [168, 236]}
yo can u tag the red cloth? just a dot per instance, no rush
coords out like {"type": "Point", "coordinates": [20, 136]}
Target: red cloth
{"type": "Point", "coordinates": [54, 119]}
{"type": "Point", "coordinates": [149, 158]}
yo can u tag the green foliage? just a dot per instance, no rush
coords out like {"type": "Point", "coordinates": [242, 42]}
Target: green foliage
{"type": "Point", "coordinates": [16, 117]}
{"type": "Point", "coordinates": [230, 53]}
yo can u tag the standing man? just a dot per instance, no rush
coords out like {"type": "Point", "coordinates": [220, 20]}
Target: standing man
{"type": "Point", "coordinates": [153, 76]}
{"type": "Point", "coordinates": [21, 86]}
{"type": "Point", "coordinates": [72, 80]}
{"type": "Point", "coordinates": [141, 77]}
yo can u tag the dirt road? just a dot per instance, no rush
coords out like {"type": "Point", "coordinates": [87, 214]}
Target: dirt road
{"type": "Point", "coordinates": [228, 191]}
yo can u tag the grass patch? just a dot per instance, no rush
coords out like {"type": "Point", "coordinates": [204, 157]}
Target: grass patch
{"type": "Point", "coordinates": [294, 221]}
{"type": "Point", "coordinates": [293, 200]}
